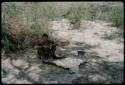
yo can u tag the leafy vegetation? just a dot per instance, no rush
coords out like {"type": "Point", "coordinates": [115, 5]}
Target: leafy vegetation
{"type": "Point", "coordinates": [7, 43]}
{"type": "Point", "coordinates": [34, 17]}
{"type": "Point", "coordinates": [115, 15]}
{"type": "Point", "coordinates": [76, 14]}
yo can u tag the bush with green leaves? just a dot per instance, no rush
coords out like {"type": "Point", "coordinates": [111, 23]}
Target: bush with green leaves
{"type": "Point", "coordinates": [76, 14]}
{"type": "Point", "coordinates": [7, 42]}
{"type": "Point", "coordinates": [116, 15]}
{"type": "Point", "coordinates": [8, 45]}
{"type": "Point", "coordinates": [39, 15]}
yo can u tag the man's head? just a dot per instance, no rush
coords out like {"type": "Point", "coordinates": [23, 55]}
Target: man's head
{"type": "Point", "coordinates": [45, 37]}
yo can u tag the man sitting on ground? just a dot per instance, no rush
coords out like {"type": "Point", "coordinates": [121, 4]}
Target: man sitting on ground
{"type": "Point", "coordinates": [46, 49]}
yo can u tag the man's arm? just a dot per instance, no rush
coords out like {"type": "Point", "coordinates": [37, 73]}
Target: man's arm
{"type": "Point", "coordinates": [37, 44]}
{"type": "Point", "coordinates": [52, 42]}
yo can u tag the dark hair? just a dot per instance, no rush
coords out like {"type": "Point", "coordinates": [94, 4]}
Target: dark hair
{"type": "Point", "coordinates": [45, 35]}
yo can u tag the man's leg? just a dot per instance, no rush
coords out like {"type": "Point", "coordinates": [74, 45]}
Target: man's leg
{"type": "Point", "coordinates": [54, 55]}
{"type": "Point", "coordinates": [53, 52]}
{"type": "Point", "coordinates": [40, 53]}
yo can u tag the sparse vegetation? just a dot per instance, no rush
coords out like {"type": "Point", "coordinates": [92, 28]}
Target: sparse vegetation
{"type": "Point", "coordinates": [76, 14]}
{"type": "Point", "coordinates": [116, 16]}
{"type": "Point", "coordinates": [34, 17]}
{"type": "Point", "coordinates": [89, 38]}
{"type": "Point", "coordinates": [7, 42]}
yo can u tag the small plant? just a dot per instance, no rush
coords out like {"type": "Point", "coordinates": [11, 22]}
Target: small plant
{"type": "Point", "coordinates": [7, 42]}
{"type": "Point", "coordinates": [116, 16]}
{"type": "Point", "coordinates": [76, 14]}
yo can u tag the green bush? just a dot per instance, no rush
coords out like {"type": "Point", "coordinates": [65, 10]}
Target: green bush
{"type": "Point", "coordinates": [7, 42]}
{"type": "Point", "coordinates": [7, 45]}
{"type": "Point", "coordinates": [76, 14]}
{"type": "Point", "coordinates": [39, 15]}
{"type": "Point", "coordinates": [116, 16]}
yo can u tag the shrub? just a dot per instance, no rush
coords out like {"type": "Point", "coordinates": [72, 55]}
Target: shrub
{"type": "Point", "coordinates": [75, 14]}
{"type": "Point", "coordinates": [7, 42]}
{"type": "Point", "coordinates": [116, 16]}
{"type": "Point", "coordinates": [34, 17]}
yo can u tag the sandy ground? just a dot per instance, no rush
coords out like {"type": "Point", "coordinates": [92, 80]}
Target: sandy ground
{"type": "Point", "coordinates": [104, 57]}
